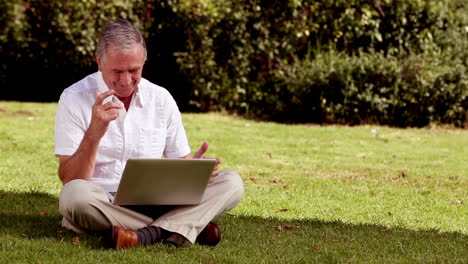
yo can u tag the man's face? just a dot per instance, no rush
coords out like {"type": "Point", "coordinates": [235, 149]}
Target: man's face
{"type": "Point", "coordinates": [122, 70]}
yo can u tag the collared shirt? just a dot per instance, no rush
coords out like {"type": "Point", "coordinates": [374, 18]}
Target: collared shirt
{"type": "Point", "coordinates": [152, 127]}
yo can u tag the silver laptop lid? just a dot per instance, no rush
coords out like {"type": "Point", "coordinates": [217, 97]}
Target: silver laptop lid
{"type": "Point", "coordinates": [164, 181]}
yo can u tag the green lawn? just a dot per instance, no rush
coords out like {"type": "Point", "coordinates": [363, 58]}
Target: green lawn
{"type": "Point", "coordinates": [314, 194]}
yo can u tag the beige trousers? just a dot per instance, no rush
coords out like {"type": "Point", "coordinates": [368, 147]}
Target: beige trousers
{"type": "Point", "coordinates": [86, 207]}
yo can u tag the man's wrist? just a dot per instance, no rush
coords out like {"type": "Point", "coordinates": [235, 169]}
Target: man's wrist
{"type": "Point", "coordinates": [92, 138]}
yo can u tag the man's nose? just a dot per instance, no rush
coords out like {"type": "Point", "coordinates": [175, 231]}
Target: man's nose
{"type": "Point", "coordinates": [125, 78]}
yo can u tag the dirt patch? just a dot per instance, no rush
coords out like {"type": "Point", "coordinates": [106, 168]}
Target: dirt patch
{"type": "Point", "coordinates": [5, 112]}
{"type": "Point", "coordinates": [347, 176]}
{"type": "Point", "coordinates": [23, 113]}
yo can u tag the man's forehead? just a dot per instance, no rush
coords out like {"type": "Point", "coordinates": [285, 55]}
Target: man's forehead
{"type": "Point", "coordinates": [124, 59]}
{"type": "Point", "coordinates": [127, 68]}
{"type": "Point", "coordinates": [136, 49]}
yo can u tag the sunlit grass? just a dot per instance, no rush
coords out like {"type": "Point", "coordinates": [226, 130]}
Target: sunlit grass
{"type": "Point", "coordinates": [366, 194]}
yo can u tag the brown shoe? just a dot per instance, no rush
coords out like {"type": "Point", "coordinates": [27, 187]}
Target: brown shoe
{"type": "Point", "coordinates": [176, 240]}
{"type": "Point", "coordinates": [124, 238]}
{"type": "Point", "coordinates": [210, 235]}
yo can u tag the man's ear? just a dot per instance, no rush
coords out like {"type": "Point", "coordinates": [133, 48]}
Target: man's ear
{"type": "Point", "coordinates": [99, 62]}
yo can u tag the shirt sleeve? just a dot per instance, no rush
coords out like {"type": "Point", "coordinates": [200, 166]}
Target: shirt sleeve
{"type": "Point", "coordinates": [69, 131]}
{"type": "Point", "coordinates": [176, 139]}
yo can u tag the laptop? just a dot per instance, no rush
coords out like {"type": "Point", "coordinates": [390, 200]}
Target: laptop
{"type": "Point", "coordinates": [164, 181]}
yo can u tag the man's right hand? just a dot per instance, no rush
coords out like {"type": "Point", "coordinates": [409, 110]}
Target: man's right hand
{"type": "Point", "coordinates": [81, 164]}
{"type": "Point", "coordinates": [102, 115]}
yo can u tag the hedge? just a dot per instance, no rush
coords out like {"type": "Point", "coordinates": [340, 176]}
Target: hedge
{"type": "Point", "coordinates": [45, 46]}
{"type": "Point", "coordinates": [392, 62]}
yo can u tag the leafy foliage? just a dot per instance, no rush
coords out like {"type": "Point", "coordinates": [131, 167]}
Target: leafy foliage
{"type": "Point", "coordinates": [52, 43]}
{"type": "Point", "coordinates": [330, 61]}
{"type": "Point", "coordinates": [393, 62]}
{"type": "Point", "coordinates": [372, 87]}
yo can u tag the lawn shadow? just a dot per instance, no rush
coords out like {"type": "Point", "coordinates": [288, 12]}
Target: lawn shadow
{"type": "Point", "coordinates": [34, 215]}
{"type": "Point", "coordinates": [29, 214]}
{"type": "Point", "coordinates": [304, 240]}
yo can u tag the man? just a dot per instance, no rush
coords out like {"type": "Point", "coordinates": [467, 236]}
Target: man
{"type": "Point", "coordinates": [114, 115]}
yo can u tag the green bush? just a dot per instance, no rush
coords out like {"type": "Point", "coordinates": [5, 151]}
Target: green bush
{"type": "Point", "coordinates": [37, 28]}
{"type": "Point", "coordinates": [47, 45]}
{"type": "Point", "coordinates": [396, 62]}
{"type": "Point", "coordinates": [391, 62]}
{"type": "Point", "coordinates": [371, 87]}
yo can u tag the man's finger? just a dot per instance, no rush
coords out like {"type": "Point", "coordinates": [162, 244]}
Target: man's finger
{"type": "Point", "coordinates": [214, 174]}
{"type": "Point", "coordinates": [101, 96]}
{"type": "Point", "coordinates": [112, 114]}
{"type": "Point", "coordinates": [201, 151]}
{"type": "Point", "coordinates": [112, 105]}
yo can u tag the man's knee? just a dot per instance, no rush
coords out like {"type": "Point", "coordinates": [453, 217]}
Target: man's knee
{"type": "Point", "coordinates": [233, 182]}
{"type": "Point", "coordinates": [77, 197]}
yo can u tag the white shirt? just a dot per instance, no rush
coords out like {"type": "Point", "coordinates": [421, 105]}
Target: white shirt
{"type": "Point", "coordinates": [151, 128]}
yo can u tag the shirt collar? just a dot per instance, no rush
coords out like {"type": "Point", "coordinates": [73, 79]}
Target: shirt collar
{"type": "Point", "coordinates": [140, 98]}
{"type": "Point", "coordinates": [102, 88]}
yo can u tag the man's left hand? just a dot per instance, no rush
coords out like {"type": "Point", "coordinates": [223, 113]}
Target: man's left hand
{"type": "Point", "coordinates": [200, 154]}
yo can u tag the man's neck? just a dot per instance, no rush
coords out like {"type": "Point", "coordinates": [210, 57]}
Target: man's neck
{"type": "Point", "coordinates": [126, 100]}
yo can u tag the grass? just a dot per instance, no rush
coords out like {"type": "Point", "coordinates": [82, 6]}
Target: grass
{"type": "Point", "coordinates": [314, 194]}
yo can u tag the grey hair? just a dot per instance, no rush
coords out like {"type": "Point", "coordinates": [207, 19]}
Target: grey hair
{"type": "Point", "coordinates": [121, 34]}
